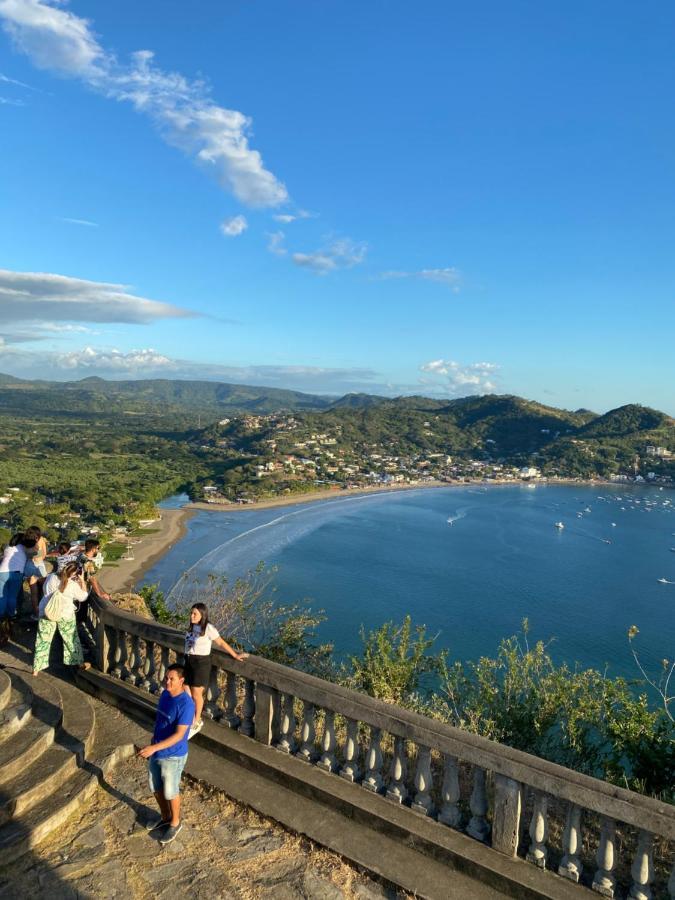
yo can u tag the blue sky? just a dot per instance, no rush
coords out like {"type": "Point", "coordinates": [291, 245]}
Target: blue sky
{"type": "Point", "coordinates": [439, 198]}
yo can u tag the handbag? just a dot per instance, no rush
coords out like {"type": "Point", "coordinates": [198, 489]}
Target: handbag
{"type": "Point", "coordinates": [55, 606]}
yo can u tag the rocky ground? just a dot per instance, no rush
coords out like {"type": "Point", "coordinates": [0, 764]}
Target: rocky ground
{"type": "Point", "coordinates": [223, 851]}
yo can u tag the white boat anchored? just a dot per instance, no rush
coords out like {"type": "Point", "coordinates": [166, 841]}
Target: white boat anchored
{"type": "Point", "coordinates": [559, 525]}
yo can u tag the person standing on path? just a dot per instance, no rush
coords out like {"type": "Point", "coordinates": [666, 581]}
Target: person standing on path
{"type": "Point", "coordinates": [70, 584]}
{"type": "Point", "coordinates": [167, 754]}
{"type": "Point", "coordinates": [200, 637]}
{"type": "Point", "coordinates": [11, 580]}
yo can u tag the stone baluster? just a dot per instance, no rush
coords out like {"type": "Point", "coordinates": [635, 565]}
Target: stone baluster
{"type": "Point", "coordinates": [307, 751]}
{"type": "Point", "coordinates": [605, 882]}
{"type": "Point", "coordinates": [478, 826]}
{"type": "Point", "coordinates": [211, 708]}
{"type": "Point", "coordinates": [286, 742]}
{"type": "Point", "coordinates": [570, 865]}
{"type": "Point", "coordinates": [247, 726]}
{"type": "Point", "coordinates": [230, 717]}
{"type": "Point", "coordinates": [134, 662]}
{"type": "Point", "coordinates": [328, 761]}
{"type": "Point", "coordinates": [396, 789]}
{"type": "Point", "coordinates": [148, 683]}
{"type": "Point", "coordinates": [163, 666]}
{"type": "Point", "coordinates": [350, 769]}
{"type": "Point", "coordinates": [449, 813]}
{"type": "Point", "coordinates": [671, 884]}
{"type": "Point", "coordinates": [120, 670]}
{"type": "Point", "coordinates": [642, 870]}
{"type": "Point", "coordinates": [423, 803]}
{"type": "Point", "coordinates": [373, 777]}
{"type": "Point", "coordinates": [538, 851]}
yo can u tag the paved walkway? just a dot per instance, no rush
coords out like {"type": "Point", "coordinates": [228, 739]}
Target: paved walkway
{"type": "Point", "coordinates": [224, 851]}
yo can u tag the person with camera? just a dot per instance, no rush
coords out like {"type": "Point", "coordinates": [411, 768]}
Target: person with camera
{"type": "Point", "coordinates": [60, 595]}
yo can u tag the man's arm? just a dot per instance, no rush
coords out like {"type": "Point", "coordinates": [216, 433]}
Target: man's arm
{"type": "Point", "coordinates": [178, 735]}
{"type": "Point", "coordinates": [97, 589]}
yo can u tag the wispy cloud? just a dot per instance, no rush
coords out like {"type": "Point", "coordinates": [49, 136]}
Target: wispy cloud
{"type": "Point", "coordinates": [9, 101]}
{"type": "Point", "coordinates": [233, 227]}
{"type": "Point", "coordinates": [449, 277]}
{"type": "Point", "coordinates": [182, 109]}
{"type": "Point", "coordinates": [459, 379]}
{"type": "Point", "coordinates": [287, 218]}
{"type": "Point", "coordinates": [41, 296]}
{"type": "Point", "coordinates": [275, 243]}
{"type": "Point", "coordinates": [339, 253]}
{"type": "Point", "coordinates": [84, 222]}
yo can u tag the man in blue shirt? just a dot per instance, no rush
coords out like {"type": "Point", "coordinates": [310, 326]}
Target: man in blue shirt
{"type": "Point", "coordinates": [167, 754]}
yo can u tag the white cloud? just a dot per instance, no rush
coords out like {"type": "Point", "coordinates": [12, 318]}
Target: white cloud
{"type": "Point", "coordinates": [217, 138]}
{"type": "Point", "coordinates": [234, 226]}
{"type": "Point", "coordinates": [84, 222]}
{"type": "Point", "coordinates": [457, 379]}
{"type": "Point", "coordinates": [7, 101]}
{"type": "Point", "coordinates": [275, 243]}
{"type": "Point", "coordinates": [287, 218]}
{"type": "Point", "coordinates": [340, 253]}
{"type": "Point", "coordinates": [450, 277]}
{"type": "Point", "coordinates": [40, 296]}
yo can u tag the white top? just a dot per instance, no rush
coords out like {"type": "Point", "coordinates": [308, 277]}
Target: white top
{"type": "Point", "coordinates": [198, 644]}
{"type": "Point", "coordinates": [13, 559]}
{"type": "Point", "coordinates": [72, 590]}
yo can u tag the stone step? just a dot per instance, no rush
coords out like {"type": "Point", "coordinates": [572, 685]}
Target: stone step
{"type": "Point", "coordinates": [16, 713]}
{"type": "Point", "coordinates": [5, 689]}
{"type": "Point", "coordinates": [33, 825]}
{"type": "Point", "coordinates": [23, 748]}
{"type": "Point", "coordinates": [73, 740]}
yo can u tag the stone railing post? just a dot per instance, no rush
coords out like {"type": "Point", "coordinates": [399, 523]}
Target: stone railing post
{"type": "Point", "coordinates": [605, 882]}
{"type": "Point", "coordinates": [449, 813]}
{"type": "Point", "coordinates": [538, 851]}
{"type": "Point", "coordinates": [350, 767]}
{"type": "Point", "coordinates": [307, 751]}
{"type": "Point", "coordinates": [230, 716]}
{"type": "Point", "coordinates": [120, 669]}
{"type": "Point", "coordinates": [642, 870]}
{"type": "Point", "coordinates": [570, 865]}
{"type": "Point", "coordinates": [102, 645]}
{"type": "Point", "coordinates": [396, 789]}
{"type": "Point", "coordinates": [508, 805]}
{"type": "Point", "coordinates": [422, 802]}
{"type": "Point", "coordinates": [286, 741]}
{"type": "Point", "coordinates": [134, 660]}
{"type": "Point", "coordinates": [247, 726]}
{"type": "Point", "coordinates": [373, 777]}
{"type": "Point", "coordinates": [478, 826]}
{"type": "Point", "coordinates": [266, 714]}
{"type": "Point", "coordinates": [149, 683]}
{"type": "Point", "coordinates": [328, 761]}
{"type": "Point", "coordinates": [163, 666]}
{"type": "Point", "coordinates": [211, 708]}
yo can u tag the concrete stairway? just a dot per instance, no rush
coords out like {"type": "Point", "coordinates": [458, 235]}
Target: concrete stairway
{"type": "Point", "coordinates": [50, 762]}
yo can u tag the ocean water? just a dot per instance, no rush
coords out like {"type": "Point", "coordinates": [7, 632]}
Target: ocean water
{"type": "Point", "coordinates": [468, 562]}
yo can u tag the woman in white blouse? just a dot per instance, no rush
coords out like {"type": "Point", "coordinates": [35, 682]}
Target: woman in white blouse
{"type": "Point", "coordinates": [73, 591]}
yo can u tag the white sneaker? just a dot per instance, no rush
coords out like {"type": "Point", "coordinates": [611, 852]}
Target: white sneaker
{"type": "Point", "coordinates": [195, 729]}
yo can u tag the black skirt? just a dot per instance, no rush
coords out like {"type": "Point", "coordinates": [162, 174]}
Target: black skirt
{"type": "Point", "coordinates": [197, 670]}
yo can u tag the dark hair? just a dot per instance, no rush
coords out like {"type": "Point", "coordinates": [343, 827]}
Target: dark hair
{"type": "Point", "coordinates": [27, 541]}
{"type": "Point", "coordinates": [34, 532]}
{"type": "Point", "coordinates": [67, 573]}
{"type": "Point", "coordinates": [90, 544]}
{"type": "Point", "coordinates": [204, 621]}
{"type": "Point", "coordinates": [63, 547]}
{"type": "Point", "coordinates": [176, 667]}
{"type": "Point", "coordinates": [16, 539]}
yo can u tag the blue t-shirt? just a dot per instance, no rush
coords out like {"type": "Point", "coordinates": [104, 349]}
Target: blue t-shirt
{"type": "Point", "coordinates": [171, 712]}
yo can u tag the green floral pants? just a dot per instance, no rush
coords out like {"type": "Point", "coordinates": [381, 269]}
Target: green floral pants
{"type": "Point", "coordinates": [72, 648]}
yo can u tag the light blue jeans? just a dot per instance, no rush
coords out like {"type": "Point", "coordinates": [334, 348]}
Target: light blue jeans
{"type": "Point", "coordinates": [164, 775]}
{"type": "Point", "coordinates": [10, 585]}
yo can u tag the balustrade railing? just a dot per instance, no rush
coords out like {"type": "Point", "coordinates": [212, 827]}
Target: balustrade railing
{"type": "Point", "coordinates": [493, 793]}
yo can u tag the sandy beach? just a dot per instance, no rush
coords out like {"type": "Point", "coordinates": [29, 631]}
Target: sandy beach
{"type": "Point", "coordinates": [312, 496]}
{"type": "Point", "coordinates": [151, 547]}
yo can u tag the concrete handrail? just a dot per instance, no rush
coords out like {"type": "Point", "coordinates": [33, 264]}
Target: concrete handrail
{"type": "Point", "coordinates": [514, 769]}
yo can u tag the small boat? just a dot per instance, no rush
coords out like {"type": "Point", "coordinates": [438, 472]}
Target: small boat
{"type": "Point", "coordinates": [559, 525]}
{"type": "Point", "coordinates": [588, 509]}
{"type": "Point", "coordinates": [664, 581]}
{"type": "Point", "coordinates": [613, 524]}
{"type": "Point", "coordinates": [672, 549]}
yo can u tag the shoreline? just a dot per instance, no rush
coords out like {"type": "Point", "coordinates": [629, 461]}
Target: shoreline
{"type": "Point", "coordinates": [125, 575]}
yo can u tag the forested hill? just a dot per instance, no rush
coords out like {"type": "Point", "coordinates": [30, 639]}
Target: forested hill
{"type": "Point", "coordinates": [151, 397]}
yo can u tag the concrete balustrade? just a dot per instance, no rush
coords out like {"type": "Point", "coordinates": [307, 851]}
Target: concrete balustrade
{"type": "Point", "coordinates": [409, 760]}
